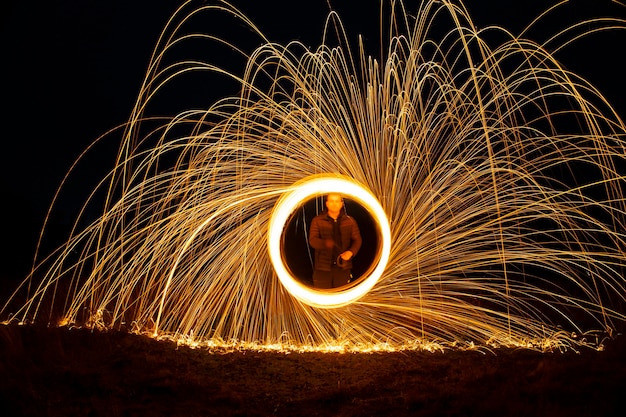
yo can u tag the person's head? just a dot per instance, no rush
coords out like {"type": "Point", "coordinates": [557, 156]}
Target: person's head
{"type": "Point", "coordinates": [334, 203]}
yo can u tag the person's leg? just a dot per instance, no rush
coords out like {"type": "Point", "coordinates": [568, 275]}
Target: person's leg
{"type": "Point", "coordinates": [340, 277]}
{"type": "Point", "coordinates": [322, 279]}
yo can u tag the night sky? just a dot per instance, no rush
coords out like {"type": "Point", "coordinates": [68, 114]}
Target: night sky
{"type": "Point", "coordinates": [71, 71]}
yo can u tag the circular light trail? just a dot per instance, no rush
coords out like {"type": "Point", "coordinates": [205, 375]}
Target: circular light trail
{"type": "Point", "coordinates": [284, 208]}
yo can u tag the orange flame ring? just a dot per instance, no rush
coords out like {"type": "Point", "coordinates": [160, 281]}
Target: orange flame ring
{"type": "Point", "coordinates": [289, 202]}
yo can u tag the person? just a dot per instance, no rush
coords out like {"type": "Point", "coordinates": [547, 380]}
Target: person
{"type": "Point", "coordinates": [336, 239]}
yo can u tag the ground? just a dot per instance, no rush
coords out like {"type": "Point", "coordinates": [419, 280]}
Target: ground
{"type": "Point", "coordinates": [78, 372]}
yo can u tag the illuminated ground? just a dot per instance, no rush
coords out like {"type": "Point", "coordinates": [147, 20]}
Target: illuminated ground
{"type": "Point", "coordinates": [56, 372]}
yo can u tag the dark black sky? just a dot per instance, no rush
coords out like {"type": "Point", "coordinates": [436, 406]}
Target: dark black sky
{"type": "Point", "coordinates": [71, 71]}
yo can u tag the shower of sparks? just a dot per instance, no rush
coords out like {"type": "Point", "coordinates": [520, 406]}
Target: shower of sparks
{"type": "Point", "coordinates": [501, 174]}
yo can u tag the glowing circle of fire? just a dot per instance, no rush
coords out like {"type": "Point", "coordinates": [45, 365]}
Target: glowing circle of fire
{"type": "Point", "coordinates": [284, 209]}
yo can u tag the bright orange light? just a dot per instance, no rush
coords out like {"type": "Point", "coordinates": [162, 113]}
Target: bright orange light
{"type": "Point", "coordinates": [315, 186]}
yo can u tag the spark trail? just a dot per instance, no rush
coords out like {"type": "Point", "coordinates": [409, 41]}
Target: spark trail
{"type": "Point", "coordinates": [500, 172]}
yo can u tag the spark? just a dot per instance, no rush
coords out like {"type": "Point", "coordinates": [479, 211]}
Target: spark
{"type": "Point", "coordinates": [494, 174]}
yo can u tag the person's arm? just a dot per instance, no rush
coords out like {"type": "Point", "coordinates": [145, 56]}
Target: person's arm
{"type": "Point", "coordinates": [315, 237]}
{"type": "Point", "coordinates": [355, 238]}
{"type": "Point", "coordinates": [355, 242]}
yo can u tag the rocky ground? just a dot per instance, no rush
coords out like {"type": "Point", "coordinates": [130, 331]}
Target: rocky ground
{"type": "Point", "coordinates": [63, 372]}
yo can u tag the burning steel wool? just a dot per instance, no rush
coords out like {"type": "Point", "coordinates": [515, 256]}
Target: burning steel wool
{"type": "Point", "coordinates": [488, 180]}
